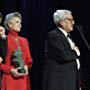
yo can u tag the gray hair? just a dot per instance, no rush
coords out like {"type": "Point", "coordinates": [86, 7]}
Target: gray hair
{"type": "Point", "coordinates": [10, 16]}
{"type": "Point", "coordinates": [60, 15]}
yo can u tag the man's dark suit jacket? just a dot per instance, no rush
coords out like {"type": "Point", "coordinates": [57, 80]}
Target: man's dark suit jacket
{"type": "Point", "coordinates": [3, 48]}
{"type": "Point", "coordinates": [60, 71]}
{"type": "Point", "coordinates": [3, 52]}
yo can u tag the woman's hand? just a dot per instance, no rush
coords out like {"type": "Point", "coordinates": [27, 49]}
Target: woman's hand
{"type": "Point", "coordinates": [26, 68]}
{"type": "Point", "coordinates": [15, 72]}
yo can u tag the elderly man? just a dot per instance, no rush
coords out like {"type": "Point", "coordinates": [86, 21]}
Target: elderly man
{"type": "Point", "coordinates": [3, 46]}
{"type": "Point", "coordinates": [61, 58]}
{"type": "Point", "coordinates": [3, 41]}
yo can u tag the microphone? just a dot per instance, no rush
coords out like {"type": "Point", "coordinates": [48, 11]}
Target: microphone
{"type": "Point", "coordinates": [2, 32]}
{"type": "Point", "coordinates": [80, 30]}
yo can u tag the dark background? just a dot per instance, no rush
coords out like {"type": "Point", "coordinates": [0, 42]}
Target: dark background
{"type": "Point", "coordinates": [38, 21]}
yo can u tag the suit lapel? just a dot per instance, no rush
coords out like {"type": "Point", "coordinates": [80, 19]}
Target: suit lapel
{"type": "Point", "coordinates": [63, 38]}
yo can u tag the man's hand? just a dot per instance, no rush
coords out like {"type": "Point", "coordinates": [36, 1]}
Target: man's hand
{"type": "Point", "coordinates": [77, 50]}
{"type": "Point", "coordinates": [2, 30]}
{"type": "Point", "coordinates": [1, 60]}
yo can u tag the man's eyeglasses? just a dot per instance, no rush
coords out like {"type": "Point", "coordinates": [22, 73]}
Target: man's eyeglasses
{"type": "Point", "coordinates": [69, 19]}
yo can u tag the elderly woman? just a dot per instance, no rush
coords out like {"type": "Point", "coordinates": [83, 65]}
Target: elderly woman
{"type": "Point", "coordinates": [18, 59]}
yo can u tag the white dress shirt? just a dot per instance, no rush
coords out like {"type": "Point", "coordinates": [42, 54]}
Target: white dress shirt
{"type": "Point", "coordinates": [73, 47]}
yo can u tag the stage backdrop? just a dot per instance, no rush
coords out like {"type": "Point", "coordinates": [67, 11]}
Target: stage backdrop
{"type": "Point", "coordinates": [38, 21]}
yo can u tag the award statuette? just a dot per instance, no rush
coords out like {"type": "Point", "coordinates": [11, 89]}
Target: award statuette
{"type": "Point", "coordinates": [18, 61]}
